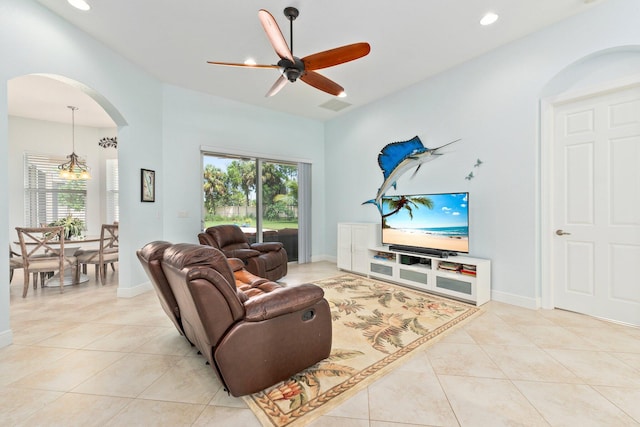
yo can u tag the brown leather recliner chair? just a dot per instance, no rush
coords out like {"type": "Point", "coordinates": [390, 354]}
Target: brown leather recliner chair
{"type": "Point", "coordinates": [267, 259]}
{"type": "Point", "coordinates": [150, 257]}
{"type": "Point", "coordinates": [251, 342]}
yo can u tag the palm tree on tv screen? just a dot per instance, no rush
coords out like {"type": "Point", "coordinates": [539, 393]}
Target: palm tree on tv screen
{"type": "Point", "coordinates": [409, 203]}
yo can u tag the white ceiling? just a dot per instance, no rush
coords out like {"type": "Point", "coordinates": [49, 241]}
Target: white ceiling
{"type": "Point", "coordinates": [410, 41]}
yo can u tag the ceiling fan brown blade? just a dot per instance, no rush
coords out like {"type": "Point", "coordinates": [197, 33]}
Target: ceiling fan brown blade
{"type": "Point", "coordinates": [336, 56]}
{"type": "Point", "coordinates": [234, 64]}
{"type": "Point", "coordinates": [275, 35]}
{"type": "Point", "coordinates": [321, 82]}
{"type": "Point", "coordinates": [279, 84]}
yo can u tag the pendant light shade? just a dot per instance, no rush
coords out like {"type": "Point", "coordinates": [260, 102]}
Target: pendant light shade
{"type": "Point", "coordinates": [75, 168]}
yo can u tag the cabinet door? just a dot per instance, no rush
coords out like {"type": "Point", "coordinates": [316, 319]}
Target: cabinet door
{"type": "Point", "coordinates": [362, 236]}
{"type": "Point", "coordinates": [344, 246]}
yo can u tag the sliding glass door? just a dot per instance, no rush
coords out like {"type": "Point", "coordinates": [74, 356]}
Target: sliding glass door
{"type": "Point", "coordinates": [229, 189]}
{"type": "Point", "coordinates": [260, 196]}
{"type": "Point", "coordinates": [280, 205]}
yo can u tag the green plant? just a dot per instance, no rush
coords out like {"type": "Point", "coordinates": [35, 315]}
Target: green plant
{"type": "Point", "coordinates": [72, 226]}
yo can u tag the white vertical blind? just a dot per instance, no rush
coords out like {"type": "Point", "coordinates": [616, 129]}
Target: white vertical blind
{"type": "Point", "coordinates": [304, 213]}
{"type": "Point", "coordinates": [47, 197]}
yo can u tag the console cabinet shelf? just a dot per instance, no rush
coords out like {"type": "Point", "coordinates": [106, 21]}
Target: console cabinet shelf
{"type": "Point", "coordinates": [464, 278]}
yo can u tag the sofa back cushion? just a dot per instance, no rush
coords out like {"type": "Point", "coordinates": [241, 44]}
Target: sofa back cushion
{"type": "Point", "coordinates": [228, 237]}
{"type": "Point", "coordinates": [205, 290]}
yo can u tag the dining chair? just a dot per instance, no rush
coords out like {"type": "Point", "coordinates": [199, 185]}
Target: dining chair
{"type": "Point", "coordinates": [43, 251]}
{"type": "Point", "coordinates": [106, 254]}
{"type": "Point", "coordinates": [15, 262]}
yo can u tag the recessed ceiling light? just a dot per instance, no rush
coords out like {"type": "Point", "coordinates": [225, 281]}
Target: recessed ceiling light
{"type": "Point", "coordinates": [489, 18]}
{"type": "Point", "coordinates": [79, 4]}
{"type": "Point", "coordinates": [249, 61]}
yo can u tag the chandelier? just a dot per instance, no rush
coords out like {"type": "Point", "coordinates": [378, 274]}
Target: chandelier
{"type": "Point", "coordinates": [75, 168]}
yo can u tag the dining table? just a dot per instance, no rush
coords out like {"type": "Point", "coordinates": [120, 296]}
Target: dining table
{"type": "Point", "coordinates": [71, 247]}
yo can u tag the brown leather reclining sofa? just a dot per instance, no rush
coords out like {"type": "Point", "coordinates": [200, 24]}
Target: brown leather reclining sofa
{"type": "Point", "coordinates": [266, 259]}
{"type": "Point", "coordinates": [254, 332]}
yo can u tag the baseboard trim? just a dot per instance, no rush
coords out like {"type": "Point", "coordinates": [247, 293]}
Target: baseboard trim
{"type": "Point", "coordinates": [6, 338]}
{"type": "Point", "coordinates": [134, 291]}
{"type": "Point", "coordinates": [520, 301]}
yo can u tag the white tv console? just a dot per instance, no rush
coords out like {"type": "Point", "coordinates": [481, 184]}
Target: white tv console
{"type": "Point", "coordinates": [460, 277]}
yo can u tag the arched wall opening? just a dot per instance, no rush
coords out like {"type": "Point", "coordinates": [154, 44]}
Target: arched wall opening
{"type": "Point", "coordinates": [594, 71]}
{"type": "Point", "coordinates": [601, 72]}
{"type": "Point", "coordinates": [38, 121]}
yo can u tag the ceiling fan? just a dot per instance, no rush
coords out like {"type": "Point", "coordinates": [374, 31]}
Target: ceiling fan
{"type": "Point", "coordinates": [293, 68]}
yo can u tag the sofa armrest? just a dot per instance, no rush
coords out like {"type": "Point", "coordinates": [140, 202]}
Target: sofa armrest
{"type": "Point", "coordinates": [282, 301]}
{"type": "Point", "coordinates": [243, 254]}
{"type": "Point", "coordinates": [236, 264]}
{"type": "Point", "coordinates": [267, 246]}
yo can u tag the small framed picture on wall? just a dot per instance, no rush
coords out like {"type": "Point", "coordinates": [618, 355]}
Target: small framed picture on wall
{"type": "Point", "coordinates": [148, 185]}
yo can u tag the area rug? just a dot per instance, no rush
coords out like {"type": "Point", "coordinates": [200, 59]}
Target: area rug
{"type": "Point", "coordinates": [376, 327]}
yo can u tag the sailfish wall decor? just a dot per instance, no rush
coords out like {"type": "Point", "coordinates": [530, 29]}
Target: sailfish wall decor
{"type": "Point", "coordinates": [396, 158]}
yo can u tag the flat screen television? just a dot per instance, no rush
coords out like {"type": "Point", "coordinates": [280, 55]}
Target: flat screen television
{"type": "Point", "coordinates": [427, 223]}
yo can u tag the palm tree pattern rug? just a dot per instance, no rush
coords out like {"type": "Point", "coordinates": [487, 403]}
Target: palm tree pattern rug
{"type": "Point", "coordinates": [376, 327]}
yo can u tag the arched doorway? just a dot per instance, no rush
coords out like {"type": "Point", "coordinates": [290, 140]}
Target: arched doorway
{"type": "Point", "coordinates": [39, 126]}
{"type": "Point", "coordinates": [589, 219]}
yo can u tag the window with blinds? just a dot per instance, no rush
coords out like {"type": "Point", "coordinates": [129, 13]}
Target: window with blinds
{"type": "Point", "coordinates": [47, 197]}
{"type": "Point", "coordinates": [113, 211]}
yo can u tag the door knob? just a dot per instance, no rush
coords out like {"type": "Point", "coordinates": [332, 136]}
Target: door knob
{"type": "Point", "coordinates": [561, 233]}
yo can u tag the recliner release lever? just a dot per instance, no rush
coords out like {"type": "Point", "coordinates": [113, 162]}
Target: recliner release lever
{"type": "Point", "coordinates": [308, 315]}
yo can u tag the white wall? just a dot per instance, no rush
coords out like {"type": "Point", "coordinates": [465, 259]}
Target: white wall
{"type": "Point", "coordinates": [42, 137]}
{"type": "Point", "coordinates": [34, 40]}
{"type": "Point", "coordinates": [492, 103]}
{"type": "Point", "coordinates": [193, 120]}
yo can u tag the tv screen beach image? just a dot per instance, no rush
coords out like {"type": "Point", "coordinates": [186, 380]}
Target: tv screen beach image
{"type": "Point", "coordinates": [435, 221]}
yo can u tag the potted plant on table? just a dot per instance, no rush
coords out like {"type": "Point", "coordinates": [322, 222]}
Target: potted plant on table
{"type": "Point", "coordinates": [73, 227]}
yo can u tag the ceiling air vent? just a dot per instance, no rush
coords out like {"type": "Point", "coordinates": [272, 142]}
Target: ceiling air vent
{"type": "Point", "coordinates": [335, 105]}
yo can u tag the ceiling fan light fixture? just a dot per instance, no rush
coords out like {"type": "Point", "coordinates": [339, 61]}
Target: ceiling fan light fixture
{"type": "Point", "coordinates": [79, 4]}
{"type": "Point", "coordinates": [342, 94]}
{"type": "Point", "coordinates": [489, 18]}
{"type": "Point", "coordinates": [293, 68]}
{"type": "Point", "coordinates": [292, 74]}
{"type": "Point", "coordinates": [250, 61]}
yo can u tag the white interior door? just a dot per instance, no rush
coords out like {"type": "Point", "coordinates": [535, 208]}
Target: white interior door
{"type": "Point", "coordinates": [596, 206]}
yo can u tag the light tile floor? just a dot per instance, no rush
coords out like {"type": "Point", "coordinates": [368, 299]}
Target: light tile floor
{"type": "Point", "coordinates": [88, 358]}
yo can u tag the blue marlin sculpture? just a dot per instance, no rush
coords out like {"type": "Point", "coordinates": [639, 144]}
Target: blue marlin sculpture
{"type": "Point", "coordinates": [398, 157]}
